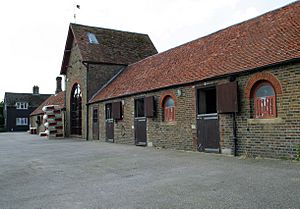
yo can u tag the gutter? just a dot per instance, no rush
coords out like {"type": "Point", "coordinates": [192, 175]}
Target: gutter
{"type": "Point", "coordinates": [85, 63]}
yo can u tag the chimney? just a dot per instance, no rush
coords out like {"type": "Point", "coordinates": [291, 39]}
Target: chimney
{"type": "Point", "coordinates": [58, 85]}
{"type": "Point", "coordinates": [35, 90]}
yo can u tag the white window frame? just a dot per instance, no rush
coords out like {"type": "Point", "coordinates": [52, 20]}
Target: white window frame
{"type": "Point", "coordinates": [21, 105]}
{"type": "Point", "coordinates": [92, 38]}
{"type": "Point", "coordinates": [21, 121]}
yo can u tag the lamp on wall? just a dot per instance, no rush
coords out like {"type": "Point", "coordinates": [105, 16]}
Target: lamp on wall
{"type": "Point", "coordinates": [178, 93]}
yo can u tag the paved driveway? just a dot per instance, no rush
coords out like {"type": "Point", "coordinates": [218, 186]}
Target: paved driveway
{"type": "Point", "coordinates": [40, 173]}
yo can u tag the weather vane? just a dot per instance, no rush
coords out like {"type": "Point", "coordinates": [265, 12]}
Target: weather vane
{"type": "Point", "coordinates": [77, 6]}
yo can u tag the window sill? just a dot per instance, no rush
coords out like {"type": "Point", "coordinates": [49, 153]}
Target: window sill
{"type": "Point", "coordinates": [171, 123]}
{"type": "Point", "coordinates": [264, 121]}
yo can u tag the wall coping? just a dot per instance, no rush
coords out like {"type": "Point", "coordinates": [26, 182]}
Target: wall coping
{"type": "Point", "coordinates": [264, 120]}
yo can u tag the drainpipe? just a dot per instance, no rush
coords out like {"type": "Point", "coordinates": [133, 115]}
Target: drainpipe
{"type": "Point", "coordinates": [87, 106]}
{"type": "Point", "coordinates": [87, 122]}
{"type": "Point", "coordinates": [66, 121]}
{"type": "Point", "coordinates": [234, 133]}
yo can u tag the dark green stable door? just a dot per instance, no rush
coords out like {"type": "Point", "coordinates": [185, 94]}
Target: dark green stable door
{"type": "Point", "coordinates": [208, 132]}
{"type": "Point", "coordinates": [207, 120]}
{"type": "Point", "coordinates": [140, 122]}
{"type": "Point", "coordinates": [95, 124]}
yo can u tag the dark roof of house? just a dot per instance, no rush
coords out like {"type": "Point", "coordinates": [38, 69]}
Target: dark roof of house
{"type": "Point", "coordinates": [57, 99]}
{"type": "Point", "coordinates": [34, 100]}
{"type": "Point", "coordinates": [115, 47]}
{"type": "Point", "coordinates": [262, 41]}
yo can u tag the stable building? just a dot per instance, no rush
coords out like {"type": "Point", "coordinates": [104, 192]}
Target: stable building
{"type": "Point", "coordinates": [235, 91]}
{"type": "Point", "coordinates": [92, 57]}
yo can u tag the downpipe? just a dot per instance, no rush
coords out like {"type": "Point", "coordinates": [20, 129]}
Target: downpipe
{"type": "Point", "coordinates": [234, 129]}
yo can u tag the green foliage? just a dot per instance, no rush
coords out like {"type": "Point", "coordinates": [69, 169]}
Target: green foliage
{"type": "Point", "coordinates": [298, 153]}
{"type": "Point", "coordinates": [1, 115]}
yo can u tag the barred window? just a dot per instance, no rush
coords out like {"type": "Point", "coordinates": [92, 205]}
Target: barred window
{"type": "Point", "coordinates": [264, 99]}
{"type": "Point", "coordinates": [95, 115]}
{"type": "Point", "coordinates": [169, 109]}
{"type": "Point", "coordinates": [108, 111]}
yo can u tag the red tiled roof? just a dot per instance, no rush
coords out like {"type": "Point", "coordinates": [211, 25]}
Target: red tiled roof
{"type": "Point", "coordinates": [57, 99]}
{"type": "Point", "coordinates": [268, 39]}
{"type": "Point", "coordinates": [115, 47]}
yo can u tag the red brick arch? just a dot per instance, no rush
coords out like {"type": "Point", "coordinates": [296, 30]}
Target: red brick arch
{"type": "Point", "coordinates": [75, 81]}
{"type": "Point", "coordinates": [70, 87]}
{"type": "Point", "coordinates": [263, 77]}
{"type": "Point", "coordinates": [164, 95]}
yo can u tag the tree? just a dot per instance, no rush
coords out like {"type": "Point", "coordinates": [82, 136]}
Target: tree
{"type": "Point", "coordinates": [1, 114]}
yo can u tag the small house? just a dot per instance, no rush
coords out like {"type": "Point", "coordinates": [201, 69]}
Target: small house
{"type": "Point", "coordinates": [18, 107]}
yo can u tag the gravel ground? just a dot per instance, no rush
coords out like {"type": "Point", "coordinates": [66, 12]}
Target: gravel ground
{"type": "Point", "coordinates": [70, 173]}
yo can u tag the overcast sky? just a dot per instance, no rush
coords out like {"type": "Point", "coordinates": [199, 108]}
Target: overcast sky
{"type": "Point", "coordinates": [33, 32]}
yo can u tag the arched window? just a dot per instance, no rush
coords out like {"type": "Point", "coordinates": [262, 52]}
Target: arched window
{"type": "Point", "coordinates": [169, 109]}
{"type": "Point", "coordinates": [76, 109]}
{"type": "Point", "coordinates": [264, 99]}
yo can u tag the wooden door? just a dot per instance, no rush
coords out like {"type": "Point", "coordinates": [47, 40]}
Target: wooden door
{"type": "Point", "coordinates": [207, 120]}
{"type": "Point", "coordinates": [95, 124]}
{"type": "Point", "coordinates": [211, 101]}
{"type": "Point", "coordinates": [208, 132]}
{"type": "Point", "coordinates": [110, 130]}
{"type": "Point", "coordinates": [140, 131]}
{"type": "Point", "coordinates": [109, 121]}
{"type": "Point", "coordinates": [140, 122]}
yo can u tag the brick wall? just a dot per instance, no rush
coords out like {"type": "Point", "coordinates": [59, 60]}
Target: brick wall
{"type": "Point", "coordinates": [178, 134]}
{"type": "Point", "coordinates": [40, 127]}
{"type": "Point", "coordinates": [90, 81]}
{"type": "Point", "coordinates": [123, 132]}
{"type": "Point", "coordinates": [276, 138]}
{"type": "Point", "coordinates": [100, 74]}
{"type": "Point", "coordinates": [76, 73]}
{"type": "Point", "coordinates": [91, 107]}
{"type": "Point", "coordinates": [175, 135]}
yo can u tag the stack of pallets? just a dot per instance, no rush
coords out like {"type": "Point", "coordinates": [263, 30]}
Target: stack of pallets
{"type": "Point", "coordinates": [53, 121]}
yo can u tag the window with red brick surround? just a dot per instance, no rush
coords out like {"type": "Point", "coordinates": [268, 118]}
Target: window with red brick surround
{"type": "Point", "coordinates": [262, 91]}
{"type": "Point", "coordinates": [264, 99]}
{"type": "Point", "coordinates": [169, 109]}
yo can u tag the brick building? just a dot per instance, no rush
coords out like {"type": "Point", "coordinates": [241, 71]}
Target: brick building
{"type": "Point", "coordinates": [235, 91]}
{"type": "Point", "coordinates": [92, 57]}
